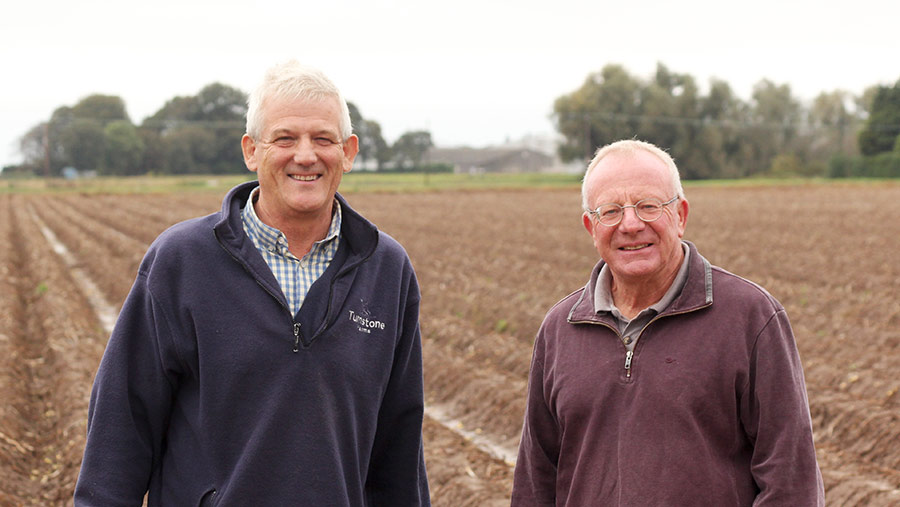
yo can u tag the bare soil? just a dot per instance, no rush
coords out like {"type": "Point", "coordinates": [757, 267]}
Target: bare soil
{"type": "Point", "coordinates": [490, 264]}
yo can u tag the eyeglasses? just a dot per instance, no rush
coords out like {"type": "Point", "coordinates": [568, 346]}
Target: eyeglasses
{"type": "Point", "coordinates": [648, 210]}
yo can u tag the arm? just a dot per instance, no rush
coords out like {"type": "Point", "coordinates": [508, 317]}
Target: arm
{"type": "Point", "coordinates": [775, 413]}
{"type": "Point", "coordinates": [397, 467]}
{"type": "Point", "coordinates": [534, 482]}
{"type": "Point", "coordinates": [129, 407]}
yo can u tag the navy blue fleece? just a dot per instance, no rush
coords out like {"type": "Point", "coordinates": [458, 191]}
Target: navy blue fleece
{"type": "Point", "coordinates": [206, 393]}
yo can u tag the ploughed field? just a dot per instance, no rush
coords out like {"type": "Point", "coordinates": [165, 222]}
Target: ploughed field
{"type": "Point", "coordinates": [490, 263]}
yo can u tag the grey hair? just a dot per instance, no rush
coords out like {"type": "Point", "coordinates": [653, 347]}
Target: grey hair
{"type": "Point", "coordinates": [628, 146]}
{"type": "Point", "coordinates": [292, 81]}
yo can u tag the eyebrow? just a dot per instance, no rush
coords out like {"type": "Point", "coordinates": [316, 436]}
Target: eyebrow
{"type": "Point", "coordinates": [287, 131]}
{"type": "Point", "coordinates": [280, 131]}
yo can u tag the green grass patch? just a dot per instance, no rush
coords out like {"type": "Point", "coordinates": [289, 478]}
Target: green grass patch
{"type": "Point", "coordinates": [125, 184]}
{"type": "Point", "coordinates": [362, 181]}
{"type": "Point", "coordinates": [352, 182]}
{"type": "Point", "coordinates": [424, 182]}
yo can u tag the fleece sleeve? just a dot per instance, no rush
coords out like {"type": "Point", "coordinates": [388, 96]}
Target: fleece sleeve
{"type": "Point", "coordinates": [129, 406]}
{"type": "Point", "coordinates": [776, 416]}
{"type": "Point", "coordinates": [396, 475]}
{"type": "Point", "coordinates": [534, 481]}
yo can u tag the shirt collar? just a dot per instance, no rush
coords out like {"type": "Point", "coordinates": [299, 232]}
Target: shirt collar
{"type": "Point", "coordinates": [269, 238]}
{"type": "Point", "coordinates": [603, 300]}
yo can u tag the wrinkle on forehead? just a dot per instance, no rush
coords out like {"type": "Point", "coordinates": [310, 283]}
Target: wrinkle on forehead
{"type": "Point", "coordinates": [625, 178]}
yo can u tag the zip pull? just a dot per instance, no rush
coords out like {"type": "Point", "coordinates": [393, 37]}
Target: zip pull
{"type": "Point", "coordinates": [628, 356]}
{"type": "Point", "coordinates": [296, 336]}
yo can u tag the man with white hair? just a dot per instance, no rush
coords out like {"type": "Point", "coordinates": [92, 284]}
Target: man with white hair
{"type": "Point", "coordinates": [665, 380]}
{"type": "Point", "coordinates": [267, 354]}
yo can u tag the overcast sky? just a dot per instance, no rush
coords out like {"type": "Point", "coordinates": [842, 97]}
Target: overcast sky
{"type": "Point", "coordinates": [472, 72]}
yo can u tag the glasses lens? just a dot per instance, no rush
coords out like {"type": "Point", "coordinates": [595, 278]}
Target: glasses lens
{"type": "Point", "coordinates": [609, 214]}
{"type": "Point", "coordinates": [648, 210]}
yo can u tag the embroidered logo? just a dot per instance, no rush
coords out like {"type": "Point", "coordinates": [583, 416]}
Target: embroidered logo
{"type": "Point", "coordinates": [364, 321]}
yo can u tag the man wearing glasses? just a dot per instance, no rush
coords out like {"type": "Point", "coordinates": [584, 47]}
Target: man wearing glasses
{"type": "Point", "coordinates": [665, 380]}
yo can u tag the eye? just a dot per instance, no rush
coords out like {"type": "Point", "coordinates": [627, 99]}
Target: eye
{"type": "Point", "coordinates": [325, 141]}
{"type": "Point", "coordinates": [609, 211]}
{"type": "Point", "coordinates": [283, 141]}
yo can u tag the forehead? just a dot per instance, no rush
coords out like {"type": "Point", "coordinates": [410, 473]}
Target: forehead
{"type": "Point", "coordinates": [296, 114]}
{"type": "Point", "coordinates": [629, 176]}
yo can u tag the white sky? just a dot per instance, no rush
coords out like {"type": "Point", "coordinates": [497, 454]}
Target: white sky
{"type": "Point", "coordinates": [471, 72]}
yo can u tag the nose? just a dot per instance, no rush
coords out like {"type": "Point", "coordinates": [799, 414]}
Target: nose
{"type": "Point", "coordinates": [305, 152]}
{"type": "Point", "coordinates": [630, 221]}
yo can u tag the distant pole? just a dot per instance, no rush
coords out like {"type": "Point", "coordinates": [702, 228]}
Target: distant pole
{"type": "Point", "coordinates": [47, 150]}
{"type": "Point", "coordinates": [588, 148]}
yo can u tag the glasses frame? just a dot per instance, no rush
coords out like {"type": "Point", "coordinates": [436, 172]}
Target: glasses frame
{"type": "Point", "coordinates": [596, 212]}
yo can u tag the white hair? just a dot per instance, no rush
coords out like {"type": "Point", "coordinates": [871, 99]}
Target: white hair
{"type": "Point", "coordinates": [292, 81]}
{"type": "Point", "coordinates": [629, 146]}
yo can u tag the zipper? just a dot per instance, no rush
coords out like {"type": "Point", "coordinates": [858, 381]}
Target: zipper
{"type": "Point", "coordinates": [296, 336]}
{"type": "Point", "coordinates": [296, 326]}
{"type": "Point", "coordinates": [629, 354]}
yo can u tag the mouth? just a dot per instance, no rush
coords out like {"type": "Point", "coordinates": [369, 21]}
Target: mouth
{"type": "Point", "coordinates": [305, 177]}
{"type": "Point", "coordinates": [632, 248]}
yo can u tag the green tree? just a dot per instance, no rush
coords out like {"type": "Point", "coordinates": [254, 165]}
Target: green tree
{"type": "Point", "coordinates": [700, 132]}
{"type": "Point", "coordinates": [42, 146]}
{"type": "Point", "coordinates": [375, 145]}
{"type": "Point", "coordinates": [34, 149]}
{"type": "Point", "coordinates": [60, 121]}
{"type": "Point", "coordinates": [224, 109]}
{"type": "Point", "coordinates": [604, 109]}
{"type": "Point", "coordinates": [189, 149]}
{"type": "Point", "coordinates": [775, 116]}
{"type": "Point", "coordinates": [176, 111]}
{"type": "Point", "coordinates": [217, 108]}
{"type": "Point", "coordinates": [124, 149]}
{"type": "Point", "coordinates": [668, 109]}
{"type": "Point", "coordinates": [84, 144]}
{"type": "Point", "coordinates": [785, 166]}
{"type": "Point", "coordinates": [883, 125]}
{"type": "Point", "coordinates": [222, 103]}
{"type": "Point", "coordinates": [100, 108]}
{"type": "Point", "coordinates": [671, 109]}
{"type": "Point", "coordinates": [372, 145]}
{"type": "Point", "coordinates": [864, 102]}
{"type": "Point", "coordinates": [833, 124]}
{"type": "Point", "coordinates": [723, 116]}
{"type": "Point", "coordinates": [356, 117]}
{"type": "Point", "coordinates": [410, 148]}
{"type": "Point", "coordinates": [74, 136]}
{"type": "Point", "coordinates": [154, 154]}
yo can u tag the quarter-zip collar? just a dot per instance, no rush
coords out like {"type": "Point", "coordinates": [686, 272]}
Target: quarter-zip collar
{"type": "Point", "coordinates": [359, 239]}
{"type": "Point", "coordinates": [697, 293]}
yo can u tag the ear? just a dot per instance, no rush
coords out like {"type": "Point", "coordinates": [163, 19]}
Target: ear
{"type": "Point", "coordinates": [351, 148]}
{"type": "Point", "coordinates": [587, 222]}
{"type": "Point", "coordinates": [248, 146]}
{"type": "Point", "coordinates": [683, 208]}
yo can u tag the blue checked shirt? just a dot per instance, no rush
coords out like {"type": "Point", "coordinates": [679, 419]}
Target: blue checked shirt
{"type": "Point", "coordinates": [294, 275]}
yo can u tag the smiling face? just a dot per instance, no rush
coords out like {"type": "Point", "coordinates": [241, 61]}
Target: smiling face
{"type": "Point", "coordinates": [639, 254]}
{"type": "Point", "coordinates": [299, 158]}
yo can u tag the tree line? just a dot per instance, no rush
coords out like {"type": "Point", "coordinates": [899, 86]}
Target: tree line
{"type": "Point", "coordinates": [710, 135]}
{"type": "Point", "coordinates": [718, 135]}
{"type": "Point", "coordinates": [197, 134]}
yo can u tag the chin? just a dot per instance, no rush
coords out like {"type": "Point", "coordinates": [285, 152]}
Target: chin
{"type": "Point", "coordinates": [637, 269]}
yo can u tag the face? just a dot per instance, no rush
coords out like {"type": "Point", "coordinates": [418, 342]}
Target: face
{"type": "Point", "coordinates": [637, 252]}
{"type": "Point", "coordinates": [299, 159]}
